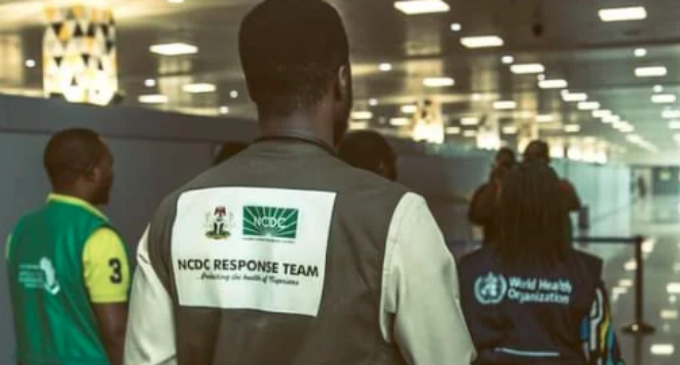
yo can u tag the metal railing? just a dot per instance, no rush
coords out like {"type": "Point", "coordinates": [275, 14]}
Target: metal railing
{"type": "Point", "coordinates": [638, 326]}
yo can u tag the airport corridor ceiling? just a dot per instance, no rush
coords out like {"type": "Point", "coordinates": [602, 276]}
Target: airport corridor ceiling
{"type": "Point", "coordinates": [622, 76]}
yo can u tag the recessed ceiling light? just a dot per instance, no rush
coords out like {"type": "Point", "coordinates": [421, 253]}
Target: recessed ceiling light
{"type": "Point", "coordinates": [669, 314]}
{"type": "Point", "coordinates": [627, 128]}
{"type": "Point", "coordinates": [233, 94]}
{"type": "Point", "coordinates": [671, 114]}
{"type": "Point", "coordinates": [469, 121]}
{"type": "Point", "coordinates": [674, 124]}
{"type": "Point", "coordinates": [224, 110]}
{"type": "Point", "coordinates": [149, 82]}
{"type": "Point", "coordinates": [439, 82]}
{"type": "Point", "coordinates": [482, 41]}
{"type": "Point", "coordinates": [508, 60]}
{"type": "Point", "coordinates": [588, 105]}
{"type": "Point", "coordinates": [476, 97]}
{"type": "Point", "coordinates": [527, 68]}
{"type": "Point", "coordinates": [640, 52]}
{"type": "Point", "coordinates": [153, 99]}
{"type": "Point", "coordinates": [415, 7]}
{"type": "Point", "coordinates": [602, 113]}
{"type": "Point", "coordinates": [654, 71]}
{"type": "Point", "coordinates": [175, 1]}
{"type": "Point", "coordinates": [573, 97]}
{"type": "Point", "coordinates": [173, 49]}
{"type": "Point", "coordinates": [456, 27]}
{"type": "Point", "coordinates": [664, 98]}
{"type": "Point", "coordinates": [373, 102]}
{"type": "Point", "coordinates": [400, 122]}
{"type": "Point", "coordinates": [30, 63]}
{"type": "Point", "coordinates": [553, 84]}
{"type": "Point", "coordinates": [470, 133]}
{"type": "Point", "coordinates": [385, 67]}
{"type": "Point", "coordinates": [362, 115]}
{"type": "Point", "coordinates": [572, 128]}
{"type": "Point", "coordinates": [453, 130]}
{"type": "Point", "coordinates": [545, 118]}
{"type": "Point", "coordinates": [658, 89]}
{"type": "Point", "coordinates": [611, 119]}
{"type": "Point", "coordinates": [663, 349]}
{"type": "Point", "coordinates": [199, 88]}
{"type": "Point", "coordinates": [673, 288]}
{"type": "Point", "coordinates": [504, 105]}
{"type": "Point", "coordinates": [357, 126]}
{"type": "Point", "coordinates": [623, 14]}
{"type": "Point", "coordinates": [510, 130]}
{"type": "Point", "coordinates": [626, 283]}
{"type": "Point", "coordinates": [409, 109]}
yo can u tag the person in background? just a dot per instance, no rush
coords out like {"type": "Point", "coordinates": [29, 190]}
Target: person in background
{"type": "Point", "coordinates": [539, 152]}
{"type": "Point", "coordinates": [287, 255]}
{"type": "Point", "coordinates": [482, 210]}
{"type": "Point", "coordinates": [370, 151]}
{"type": "Point", "coordinates": [529, 297]}
{"type": "Point", "coordinates": [68, 268]}
{"type": "Point", "coordinates": [229, 150]}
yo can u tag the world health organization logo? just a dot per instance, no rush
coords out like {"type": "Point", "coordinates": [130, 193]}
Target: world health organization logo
{"type": "Point", "coordinates": [490, 289]}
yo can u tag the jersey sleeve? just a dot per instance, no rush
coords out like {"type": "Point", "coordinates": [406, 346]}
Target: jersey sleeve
{"type": "Point", "coordinates": [597, 333]}
{"type": "Point", "coordinates": [106, 268]}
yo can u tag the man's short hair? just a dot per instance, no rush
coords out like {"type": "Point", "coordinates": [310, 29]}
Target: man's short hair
{"type": "Point", "coordinates": [366, 150]}
{"type": "Point", "coordinates": [537, 151]}
{"type": "Point", "coordinates": [71, 154]}
{"type": "Point", "coordinates": [290, 52]}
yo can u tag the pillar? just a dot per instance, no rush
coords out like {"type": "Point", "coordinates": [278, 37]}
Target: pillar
{"type": "Point", "coordinates": [79, 54]}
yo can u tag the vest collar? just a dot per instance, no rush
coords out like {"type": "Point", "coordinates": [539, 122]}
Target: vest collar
{"type": "Point", "coordinates": [299, 137]}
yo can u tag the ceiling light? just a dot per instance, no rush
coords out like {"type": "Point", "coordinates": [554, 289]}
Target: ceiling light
{"type": "Point", "coordinates": [373, 102]}
{"type": "Point", "coordinates": [453, 130]}
{"type": "Point", "coordinates": [30, 63]}
{"type": "Point", "coordinates": [149, 82]}
{"type": "Point", "coordinates": [409, 109]}
{"type": "Point", "coordinates": [456, 27]}
{"type": "Point", "coordinates": [602, 113]}
{"type": "Point", "coordinates": [673, 288]}
{"type": "Point", "coordinates": [504, 105]}
{"type": "Point", "coordinates": [627, 128]}
{"type": "Point", "coordinates": [674, 124]}
{"type": "Point", "coordinates": [640, 52]}
{"type": "Point", "coordinates": [541, 77]}
{"type": "Point", "coordinates": [658, 89]}
{"type": "Point", "coordinates": [553, 84]}
{"type": "Point", "coordinates": [153, 99]}
{"type": "Point", "coordinates": [174, 49]}
{"type": "Point", "coordinates": [653, 71]}
{"type": "Point", "coordinates": [358, 126]}
{"type": "Point", "coordinates": [175, 1]}
{"type": "Point", "coordinates": [199, 88]}
{"type": "Point", "coordinates": [663, 349]}
{"type": "Point", "coordinates": [415, 7]}
{"type": "Point", "coordinates": [623, 14]}
{"type": "Point", "coordinates": [573, 97]}
{"type": "Point", "coordinates": [469, 121]}
{"type": "Point", "coordinates": [611, 119]}
{"type": "Point", "coordinates": [400, 122]}
{"type": "Point", "coordinates": [664, 98]}
{"type": "Point", "coordinates": [527, 68]}
{"type": "Point", "coordinates": [630, 265]}
{"type": "Point", "coordinates": [385, 67]}
{"type": "Point", "coordinates": [470, 133]}
{"type": "Point", "coordinates": [438, 82]}
{"type": "Point", "coordinates": [671, 114]}
{"type": "Point", "coordinates": [545, 118]}
{"type": "Point", "coordinates": [233, 94]}
{"type": "Point", "coordinates": [669, 314]}
{"type": "Point", "coordinates": [626, 283]}
{"type": "Point", "coordinates": [482, 41]}
{"type": "Point", "coordinates": [588, 105]}
{"type": "Point", "coordinates": [224, 110]}
{"type": "Point", "coordinates": [572, 128]}
{"type": "Point", "coordinates": [476, 97]}
{"type": "Point", "coordinates": [362, 115]}
{"type": "Point", "coordinates": [508, 60]}
{"type": "Point", "coordinates": [510, 130]}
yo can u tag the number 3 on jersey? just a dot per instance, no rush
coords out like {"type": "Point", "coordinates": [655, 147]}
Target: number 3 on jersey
{"type": "Point", "coordinates": [117, 276]}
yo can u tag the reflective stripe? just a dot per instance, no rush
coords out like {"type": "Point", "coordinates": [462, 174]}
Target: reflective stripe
{"type": "Point", "coordinates": [527, 353]}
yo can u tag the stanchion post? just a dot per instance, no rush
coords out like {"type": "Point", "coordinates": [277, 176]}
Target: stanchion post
{"type": "Point", "coordinates": [639, 326]}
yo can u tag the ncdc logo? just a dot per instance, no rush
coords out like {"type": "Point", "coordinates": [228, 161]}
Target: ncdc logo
{"type": "Point", "coordinates": [491, 289]}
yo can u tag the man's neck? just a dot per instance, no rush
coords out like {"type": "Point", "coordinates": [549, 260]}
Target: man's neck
{"type": "Point", "coordinates": [300, 124]}
{"type": "Point", "coordinates": [73, 193]}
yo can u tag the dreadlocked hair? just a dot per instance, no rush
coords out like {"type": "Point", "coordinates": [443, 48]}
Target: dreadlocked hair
{"type": "Point", "coordinates": [533, 221]}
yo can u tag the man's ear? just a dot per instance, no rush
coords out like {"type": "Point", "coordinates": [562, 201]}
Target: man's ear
{"type": "Point", "coordinates": [343, 83]}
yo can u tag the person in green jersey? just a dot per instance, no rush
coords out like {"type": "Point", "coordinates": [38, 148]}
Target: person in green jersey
{"type": "Point", "coordinates": [68, 267]}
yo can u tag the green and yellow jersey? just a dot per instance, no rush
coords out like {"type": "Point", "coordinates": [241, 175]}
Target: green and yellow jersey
{"type": "Point", "coordinates": [61, 260]}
